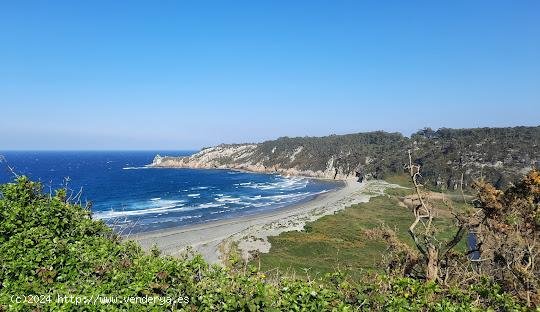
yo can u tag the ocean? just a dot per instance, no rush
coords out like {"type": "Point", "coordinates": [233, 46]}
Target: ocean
{"type": "Point", "coordinates": [132, 198]}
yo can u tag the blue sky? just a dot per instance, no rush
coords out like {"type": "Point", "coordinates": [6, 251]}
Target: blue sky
{"type": "Point", "coordinates": [187, 74]}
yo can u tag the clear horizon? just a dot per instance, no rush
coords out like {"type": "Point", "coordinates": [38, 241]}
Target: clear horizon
{"type": "Point", "coordinates": [171, 150]}
{"type": "Point", "coordinates": [179, 76]}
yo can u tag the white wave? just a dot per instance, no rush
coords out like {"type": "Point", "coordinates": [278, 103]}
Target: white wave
{"type": "Point", "coordinates": [278, 197]}
{"type": "Point", "coordinates": [159, 207]}
{"type": "Point", "coordinates": [200, 188]}
{"type": "Point", "coordinates": [194, 195]}
{"type": "Point", "coordinates": [175, 219]}
{"type": "Point", "coordinates": [126, 213]}
{"type": "Point", "coordinates": [187, 217]}
{"type": "Point", "coordinates": [290, 184]}
{"type": "Point", "coordinates": [134, 168]}
{"type": "Point", "coordinates": [251, 198]}
{"type": "Point", "coordinates": [157, 202]}
{"type": "Point", "coordinates": [210, 205]}
{"type": "Point", "coordinates": [282, 197]}
{"type": "Point", "coordinates": [258, 205]}
{"type": "Point", "coordinates": [228, 199]}
{"type": "Point", "coordinates": [152, 206]}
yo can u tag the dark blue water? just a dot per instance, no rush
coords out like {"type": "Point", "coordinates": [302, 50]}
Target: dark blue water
{"type": "Point", "coordinates": [133, 198]}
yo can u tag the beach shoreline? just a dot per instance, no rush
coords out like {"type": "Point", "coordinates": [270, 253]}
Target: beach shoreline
{"type": "Point", "coordinates": [214, 239]}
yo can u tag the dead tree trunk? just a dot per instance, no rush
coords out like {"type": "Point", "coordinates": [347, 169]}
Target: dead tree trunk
{"type": "Point", "coordinates": [432, 267]}
{"type": "Point", "coordinates": [423, 232]}
{"type": "Point", "coordinates": [420, 230]}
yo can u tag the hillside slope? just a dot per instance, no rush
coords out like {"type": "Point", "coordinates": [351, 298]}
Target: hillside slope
{"type": "Point", "coordinates": [497, 154]}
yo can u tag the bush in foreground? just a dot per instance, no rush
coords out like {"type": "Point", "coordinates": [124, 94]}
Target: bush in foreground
{"type": "Point", "coordinates": [55, 257]}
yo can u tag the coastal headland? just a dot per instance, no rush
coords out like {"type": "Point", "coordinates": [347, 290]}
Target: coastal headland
{"type": "Point", "coordinates": [360, 160]}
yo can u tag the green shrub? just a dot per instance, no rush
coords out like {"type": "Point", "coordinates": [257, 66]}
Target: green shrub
{"type": "Point", "coordinates": [51, 249]}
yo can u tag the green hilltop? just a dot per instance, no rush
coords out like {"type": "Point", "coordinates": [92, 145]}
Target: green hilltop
{"type": "Point", "coordinates": [497, 154]}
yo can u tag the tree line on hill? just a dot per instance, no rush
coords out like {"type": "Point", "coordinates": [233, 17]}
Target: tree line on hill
{"type": "Point", "coordinates": [495, 155]}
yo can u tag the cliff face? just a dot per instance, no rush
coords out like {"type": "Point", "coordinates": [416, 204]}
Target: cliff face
{"type": "Point", "coordinates": [245, 157]}
{"type": "Point", "coordinates": [496, 154]}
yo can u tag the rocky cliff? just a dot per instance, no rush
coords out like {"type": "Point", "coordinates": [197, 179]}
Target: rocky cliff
{"type": "Point", "coordinates": [496, 154]}
{"type": "Point", "coordinates": [244, 157]}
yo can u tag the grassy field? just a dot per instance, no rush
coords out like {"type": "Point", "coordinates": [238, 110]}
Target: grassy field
{"type": "Point", "coordinates": [338, 242]}
{"type": "Point", "coordinates": [403, 180]}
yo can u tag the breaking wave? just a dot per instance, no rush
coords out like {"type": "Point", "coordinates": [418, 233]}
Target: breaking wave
{"type": "Point", "coordinates": [135, 168]}
{"type": "Point", "coordinates": [289, 184]}
{"type": "Point", "coordinates": [207, 202]}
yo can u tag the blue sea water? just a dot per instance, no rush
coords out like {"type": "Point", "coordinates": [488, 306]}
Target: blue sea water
{"type": "Point", "coordinates": [133, 198]}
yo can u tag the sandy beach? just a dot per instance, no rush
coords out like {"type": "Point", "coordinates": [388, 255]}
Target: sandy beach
{"type": "Point", "coordinates": [213, 240]}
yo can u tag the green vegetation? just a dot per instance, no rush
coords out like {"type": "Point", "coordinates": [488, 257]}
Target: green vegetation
{"type": "Point", "coordinates": [51, 249]}
{"type": "Point", "coordinates": [380, 152]}
{"type": "Point", "coordinates": [498, 155]}
{"type": "Point", "coordinates": [402, 180]}
{"type": "Point", "coordinates": [505, 224]}
{"type": "Point", "coordinates": [340, 242]}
